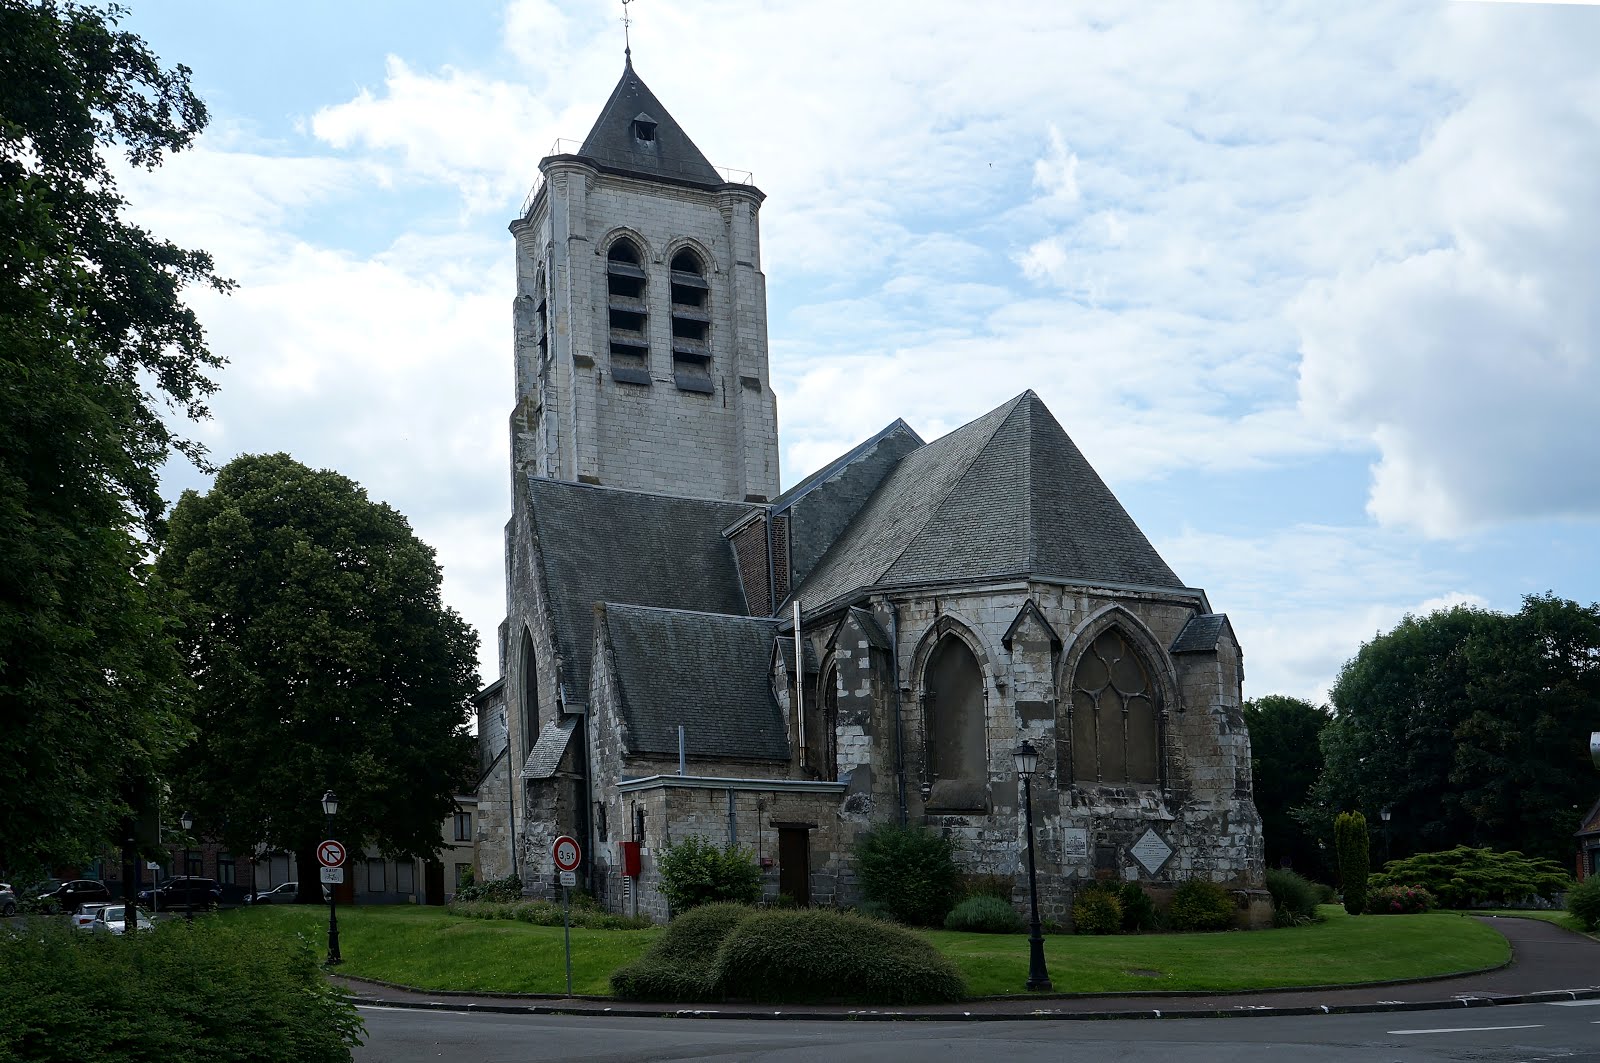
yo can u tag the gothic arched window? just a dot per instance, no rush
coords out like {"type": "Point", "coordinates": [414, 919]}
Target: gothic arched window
{"type": "Point", "coordinates": [1115, 733]}
{"type": "Point", "coordinates": [953, 718]}
{"type": "Point", "coordinates": [691, 323]}
{"type": "Point", "coordinates": [530, 696]}
{"type": "Point", "coordinates": [822, 741]}
{"type": "Point", "coordinates": [628, 318]}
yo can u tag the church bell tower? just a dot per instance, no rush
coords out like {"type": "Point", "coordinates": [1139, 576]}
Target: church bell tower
{"type": "Point", "coordinates": [641, 316]}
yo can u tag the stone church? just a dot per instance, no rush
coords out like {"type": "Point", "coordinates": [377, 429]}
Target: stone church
{"type": "Point", "coordinates": [689, 650]}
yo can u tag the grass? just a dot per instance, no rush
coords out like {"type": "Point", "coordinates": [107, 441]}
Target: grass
{"type": "Point", "coordinates": [429, 948]}
{"type": "Point", "coordinates": [1342, 950]}
{"type": "Point", "coordinates": [1559, 918]}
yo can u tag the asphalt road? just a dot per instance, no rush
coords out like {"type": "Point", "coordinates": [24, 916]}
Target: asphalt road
{"type": "Point", "coordinates": [1527, 1032]}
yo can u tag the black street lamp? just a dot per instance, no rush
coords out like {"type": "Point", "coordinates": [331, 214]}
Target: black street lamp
{"type": "Point", "coordinates": [187, 820]}
{"type": "Point", "coordinates": [330, 808]}
{"type": "Point", "coordinates": [1384, 814]}
{"type": "Point", "coordinates": [1027, 764]}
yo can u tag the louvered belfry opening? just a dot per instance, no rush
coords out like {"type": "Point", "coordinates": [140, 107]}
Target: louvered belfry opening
{"type": "Point", "coordinates": [691, 324]}
{"type": "Point", "coordinates": [628, 317]}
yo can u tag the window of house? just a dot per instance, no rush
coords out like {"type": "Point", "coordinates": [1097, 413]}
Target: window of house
{"type": "Point", "coordinates": [691, 324]}
{"type": "Point", "coordinates": [405, 877]}
{"type": "Point", "coordinates": [375, 876]}
{"type": "Point", "coordinates": [1115, 732]}
{"type": "Point", "coordinates": [463, 826]}
{"type": "Point", "coordinates": [225, 870]}
{"type": "Point", "coordinates": [953, 718]}
{"type": "Point", "coordinates": [195, 863]}
{"type": "Point", "coordinates": [628, 318]}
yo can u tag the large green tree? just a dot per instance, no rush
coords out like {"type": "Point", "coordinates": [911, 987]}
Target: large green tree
{"type": "Point", "coordinates": [1285, 760]}
{"type": "Point", "coordinates": [1470, 726]}
{"type": "Point", "coordinates": [95, 343]}
{"type": "Point", "coordinates": [322, 658]}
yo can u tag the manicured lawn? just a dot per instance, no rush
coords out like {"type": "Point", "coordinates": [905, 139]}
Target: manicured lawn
{"type": "Point", "coordinates": [431, 949]}
{"type": "Point", "coordinates": [1344, 949]}
{"type": "Point", "coordinates": [1559, 918]}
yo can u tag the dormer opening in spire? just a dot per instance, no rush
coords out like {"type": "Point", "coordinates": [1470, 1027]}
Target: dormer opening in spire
{"type": "Point", "coordinates": [644, 128]}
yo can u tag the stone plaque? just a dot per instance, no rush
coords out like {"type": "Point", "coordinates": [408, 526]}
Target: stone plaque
{"type": "Point", "coordinates": [1074, 846]}
{"type": "Point", "coordinates": [1151, 851]}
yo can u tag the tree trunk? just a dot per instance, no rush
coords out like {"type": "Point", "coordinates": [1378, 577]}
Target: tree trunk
{"type": "Point", "coordinates": [310, 891]}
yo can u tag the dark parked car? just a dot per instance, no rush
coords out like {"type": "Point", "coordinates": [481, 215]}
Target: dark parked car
{"type": "Point", "coordinates": [175, 893]}
{"type": "Point", "coordinates": [69, 895]}
{"type": "Point", "coordinates": [8, 899]}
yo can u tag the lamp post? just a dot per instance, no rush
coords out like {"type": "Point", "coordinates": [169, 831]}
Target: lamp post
{"type": "Point", "coordinates": [1027, 764]}
{"type": "Point", "coordinates": [330, 808]}
{"type": "Point", "coordinates": [1383, 814]}
{"type": "Point", "coordinates": [187, 820]}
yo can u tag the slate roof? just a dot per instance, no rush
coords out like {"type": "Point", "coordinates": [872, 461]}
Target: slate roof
{"type": "Point", "coordinates": [545, 756]}
{"type": "Point", "coordinates": [822, 505]}
{"type": "Point", "coordinates": [1006, 495]}
{"type": "Point", "coordinates": [671, 154]}
{"type": "Point", "coordinates": [1200, 634]}
{"type": "Point", "coordinates": [601, 544]}
{"type": "Point", "coordinates": [705, 671]}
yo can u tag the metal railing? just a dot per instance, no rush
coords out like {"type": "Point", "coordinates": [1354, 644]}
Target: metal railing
{"type": "Point", "coordinates": [565, 146]}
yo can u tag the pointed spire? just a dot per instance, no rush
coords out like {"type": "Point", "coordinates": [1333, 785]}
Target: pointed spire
{"type": "Point", "coordinates": [623, 140]}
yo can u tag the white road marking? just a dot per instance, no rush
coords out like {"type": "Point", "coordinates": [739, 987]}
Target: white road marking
{"type": "Point", "coordinates": [431, 1011]}
{"type": "Point", "coordinates": [1573, 1003]}
{"type": "Point", "coordinates": [1468, 1029]}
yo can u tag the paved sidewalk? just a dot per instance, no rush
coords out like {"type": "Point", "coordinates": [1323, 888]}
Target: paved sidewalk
{"type": "Point", "coordinates": [1547, 962]}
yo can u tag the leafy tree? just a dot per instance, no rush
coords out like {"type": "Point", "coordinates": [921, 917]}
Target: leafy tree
{"type": "Point", "coordinates": [322, 658]}
{"type": "Point", "coordinates": [695, 872]}
{"type": "Point", "coordinates": [1469, 724]}
{"type": "Point", "coordinates": [1285, 760]}
{"type": "Point", "coordinates": [94, 341]}
{"type": "Point", "coordinates": [909, 870]}
{"type": "Point", "coordinates": [1350, 841]}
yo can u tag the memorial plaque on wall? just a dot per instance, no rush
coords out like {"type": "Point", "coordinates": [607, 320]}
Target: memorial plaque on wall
{"type": "Point", "coordinates": [1151, 851]}
{"type": "Point", "coordinates": [1074, 846]}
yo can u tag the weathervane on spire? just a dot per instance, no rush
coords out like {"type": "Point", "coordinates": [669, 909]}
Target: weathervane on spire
{"type": "Point", "coordinates": [627, 45]}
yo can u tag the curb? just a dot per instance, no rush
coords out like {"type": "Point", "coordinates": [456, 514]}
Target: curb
{"type": "Point", "coordinates": [876, 1015]}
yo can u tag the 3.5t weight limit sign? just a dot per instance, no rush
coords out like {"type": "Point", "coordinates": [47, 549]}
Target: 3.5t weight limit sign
{"type": "Point", "coordinates": [568, 854]}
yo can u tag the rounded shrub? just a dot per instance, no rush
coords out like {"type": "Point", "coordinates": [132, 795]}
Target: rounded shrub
{"type": "Point", "coordinates": [1398, 900]}
{"type": "Point", "coordinates": [984, 914]}
{"type": "Point", "coordinates": [910, 870]}
{"type": "Point", "coordinates": [1294, 898]}
{"type": "Point", "coordinates": [1200, 905]}
{"type": "Point", "coordinates": [696, 872]}
{"type": "Point", "coordinates": [677, 967]}
{"type": "Point", "coordinates": [824, 955]}
{"type": "Point", "coordinates": [876, 910]}
{"type": "Point", "coordinates": [1097, 911]}
{"type": "Point", "coordinates": [1138, 910]}
{"type": "Point", "coordinates": [1583, 902]}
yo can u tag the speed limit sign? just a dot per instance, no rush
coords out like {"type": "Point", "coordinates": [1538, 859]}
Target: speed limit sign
{"type": "Point", "coordinates": [567, 853]}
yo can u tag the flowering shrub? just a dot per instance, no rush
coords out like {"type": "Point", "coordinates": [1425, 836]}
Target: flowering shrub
{"type": "Point", "coordinates": [1398, 900]}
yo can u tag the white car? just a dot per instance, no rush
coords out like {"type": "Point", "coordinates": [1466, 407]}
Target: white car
{"type": "Point", "coordinates": [110, 919]}
{"type": "Point", "coordinates": [83, 918]}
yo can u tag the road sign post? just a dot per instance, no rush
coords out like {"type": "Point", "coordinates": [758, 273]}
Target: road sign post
{"type": "Point", "coordinates": [568, 854]}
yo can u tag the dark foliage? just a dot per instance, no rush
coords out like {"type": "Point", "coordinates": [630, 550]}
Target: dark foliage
{"type": "Point", "coordinates": [696, 872]}
{"type": "Point", "coordinates": [1139, 912]}
{"type": "Point", "coordinates": [984, 914]}
{"type": "Point", "coordinates": [1097, 911]}
{"type": "Point", "coordinates": [822, 955]}
{"type": "Point", "coordinates": [910, 870]}
{"type": "Point", "coordinates": [208, 990]}
{"type": "Point", "coordinates": [1200, 905]}
{"type": "Point", "coordinates": [1398, 900]}
{"type": "Point", "coordinates": [1465, 877]}
{"type": "Point", "coordinates": [549, 913]}
{"type": "Point", "coordinates": [1285, 761]}
{"type": "Point", "coordinates": [1353, 847]}
{"type": "Point", "coordinates": [502, 890]}
{"type": "Point", "coordinates": [678, 967]}
{"type": "Point", "coordinates": [1583, 902]}
{"type": "Point", "coordinates": [96, 347]}
{"type": "Point", "coordinates": [1294, 898]}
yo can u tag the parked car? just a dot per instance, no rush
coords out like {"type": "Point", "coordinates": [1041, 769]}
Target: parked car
{"type": "Point", "coordinates": [112, 920]}
{"type": "Point", "coordinates": [8, 899]}
{"type": "Point", "coordinates": [83, 918]}
{"type": "Point", "coordinates": [182, 892]}
{"type": "Point", "coordinates": [70, 896]}
{"type": "Point", "coordinates": [284, 894]}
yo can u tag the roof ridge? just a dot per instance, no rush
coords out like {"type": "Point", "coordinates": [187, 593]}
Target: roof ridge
{"type": "Point", "coordinates": [811, 481]}
{"type": "Point", "coordinates": [629, 606]}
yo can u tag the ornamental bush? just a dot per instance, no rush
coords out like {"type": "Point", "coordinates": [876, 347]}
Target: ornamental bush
{"type": "Point", "coordinates": [1138, 910]}
{"type": "Point", "coordinates": [499, 889]}
{"type": "Point", "coordinates": [695, 872]}
{"type": "Point", "coordinates": [984, 914]}
{"type": "Point", "coordinates": [1354, 849]}
{"type": "Point", "coordinates": [1465, 877]}
{"type": "Point", "coordinates": [1398, 900]}
{"type": "Point", "coordinates": [910, 870]}
{"type": "Point", "coordinates": [1583, 903]}
{"type": "Point", "coordinates": [211, 990]}
{"type": "Point", "coordinates": [824, 955]}
{"type": "Point", "coordinates": [1097, 911]}
{"type": "Point", "coordinates": [677, 967]}
{"type": "Point", "coordinates": [1200, 905]}
{"type": "Point", "coordinates": [1294, 898]}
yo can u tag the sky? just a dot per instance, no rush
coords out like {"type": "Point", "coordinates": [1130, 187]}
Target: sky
{"type": "Point", "coordinates": [1314, 287]}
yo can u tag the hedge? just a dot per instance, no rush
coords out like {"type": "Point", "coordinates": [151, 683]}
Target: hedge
{"type": "Point", "coordinates": [204, 990]}
{"type": "Point", "coordinates": [677, 967]}
{"type": "Point", "coordinates": [909, 870]}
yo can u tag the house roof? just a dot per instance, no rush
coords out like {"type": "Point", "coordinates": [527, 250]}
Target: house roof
{"type": "Point", "coordinates": [704, 671]}
{"type": "Point", "coordinates": [1200, 634]}
{"type": "Point", "coordinates": [1005, 495]}
{"type": "Point", "coordinates": [544, 759]}
{"type": "Point", "coordinates": [670, 153]}
{"type": "Point", "coordinates": [601, 544]}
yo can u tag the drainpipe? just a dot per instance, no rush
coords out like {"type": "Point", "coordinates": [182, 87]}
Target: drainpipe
{"type": "Point", "coordinates": [899, 729]}
{"type": "Point", "coordinates": [799, 682]}
{"type": "Point", "coordinates": [512, 789]}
